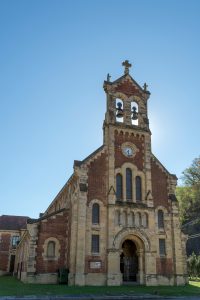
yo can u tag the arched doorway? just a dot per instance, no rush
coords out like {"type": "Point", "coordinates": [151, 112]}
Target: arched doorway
{"type": "Point", "coordinates": [129, 261]}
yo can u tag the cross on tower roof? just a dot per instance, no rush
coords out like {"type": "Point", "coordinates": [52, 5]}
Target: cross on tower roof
{"type": "Point", "coordinates": [127, 65]}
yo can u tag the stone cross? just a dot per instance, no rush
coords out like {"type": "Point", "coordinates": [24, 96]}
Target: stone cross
{"type": "Point", "coordinates": [108, 77]}
{"type": "Point", "coordinates": [127, 65]}
{"type": "Point", "coordinates": [145, 86]}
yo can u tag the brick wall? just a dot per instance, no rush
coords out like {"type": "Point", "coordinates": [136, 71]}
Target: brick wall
{"type": "Point", "coordinates": [138, 141]}
{"type": "Point", "coordinates": [57, 227]}
{"type": "Point", "coordinates": [4, 251]}
{"type": "Point", "coordinates": [97, 179]}
{"type": "Point", "coordinates": [159, 185]}
{"type": "Point", "coordinates": [164, 266]}
{"type": "Point", "coordinates": [128, 89]}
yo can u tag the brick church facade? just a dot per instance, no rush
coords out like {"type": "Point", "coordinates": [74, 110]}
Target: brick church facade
{"type": "Point", "coordinates": [116, 220]}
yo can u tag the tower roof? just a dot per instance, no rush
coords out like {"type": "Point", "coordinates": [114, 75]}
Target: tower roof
{"type": "Point", "coordinates": [126, 84]}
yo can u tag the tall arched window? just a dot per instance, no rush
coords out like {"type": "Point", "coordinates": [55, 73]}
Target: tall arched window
{"type": "Point", "coordinates": [160, 219]}
{"type": "Point", "coordinates": [119, 187]}
{"type": "Point", "coordinates": [51, 249]}
{"type": "Point", "coordinates": [138, 184]}
{"type": "Point", "coordinates": [128, 184]}
{"type": "Point", "coordinates": [95, 213]}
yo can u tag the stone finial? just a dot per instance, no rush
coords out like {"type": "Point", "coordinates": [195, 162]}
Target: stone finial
{"type": "Point", "coordinates": [126, 66]}
{"type": "Point", "coordinates": [145, 86]}
{"type": "Point", "coordinates": [108, 77]}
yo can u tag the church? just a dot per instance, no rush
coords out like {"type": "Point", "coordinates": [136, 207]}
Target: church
{"type": "Point", "coordinates": [116, 220]}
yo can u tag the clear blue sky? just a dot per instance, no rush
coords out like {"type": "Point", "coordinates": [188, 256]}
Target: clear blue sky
{"type": "Point", "coordinates": [54, 56]}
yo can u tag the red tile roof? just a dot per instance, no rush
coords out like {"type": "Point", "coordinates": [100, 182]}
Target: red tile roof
{"type": "Point", "coordinates": [12, 222]}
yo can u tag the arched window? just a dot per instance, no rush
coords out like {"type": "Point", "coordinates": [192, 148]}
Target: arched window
{"type": "Point", "coordinates": [134, 113]}
{"type": "Point", "coordinates": [160, 219]}
{"type": "Point", "coordinates": [51, 249]}
{"type": "Point", "coordinates": [138, 184]}
{"type": "Point", "coordinates": [145, 220]}
{"type": "Point", "coordinates": [119, 110]}
{"type": "Point", "coordinates": [133, 219]}
{"type": "Point", "coordinates": [119, 187]}
{"type": "Point", "coordinates": [128, 184]}
{"type": "Point", "coordinates": [95, 213]}
{"type": "Point", "coordinates": [138, 219]}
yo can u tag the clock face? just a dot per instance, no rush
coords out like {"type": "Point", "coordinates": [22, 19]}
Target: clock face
{"type": "Point", "coordinates": [128, 151]}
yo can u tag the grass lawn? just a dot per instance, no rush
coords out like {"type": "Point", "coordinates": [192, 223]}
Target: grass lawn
{"type": "Point", "coordinates": [10, 286]}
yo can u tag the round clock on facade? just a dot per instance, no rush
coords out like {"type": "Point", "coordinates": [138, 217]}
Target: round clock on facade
{"type": "Point", "coordinates": [128, 151]}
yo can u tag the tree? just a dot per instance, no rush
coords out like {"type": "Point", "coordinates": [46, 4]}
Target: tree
{"type": "Point", "coordinates": [189, 194]}
{"type": "Point", "coordinates": [191, 175]}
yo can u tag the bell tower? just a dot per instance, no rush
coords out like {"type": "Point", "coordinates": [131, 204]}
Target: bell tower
{"type": "Point", "coordinates": [126, 102]}
{"type": "Point", "coordinates": [127, 138]}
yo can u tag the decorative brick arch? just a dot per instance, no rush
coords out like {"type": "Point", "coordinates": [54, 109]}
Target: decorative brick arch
{"type": "Point", "coordinates": [139, 237]}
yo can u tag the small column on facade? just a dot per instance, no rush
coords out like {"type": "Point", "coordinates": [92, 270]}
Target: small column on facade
{"type": "Point", "coordinates": [140, 254]}
{"type": "Point", "coordinates": [148, 196]}
{"type": "Point", "coordinates": [31, 263]}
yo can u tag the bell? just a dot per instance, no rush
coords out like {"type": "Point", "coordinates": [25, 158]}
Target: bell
{"type": "Point", "coordinates": [134, 113]}
{"type": "Point", "coordinates": [119, 113]}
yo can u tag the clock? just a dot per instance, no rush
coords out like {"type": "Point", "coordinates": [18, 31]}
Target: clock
{"type": "Point", "coordinates": [128, 151]}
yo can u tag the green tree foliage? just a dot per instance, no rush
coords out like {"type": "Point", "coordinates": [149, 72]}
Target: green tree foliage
{"type": "Point", "coordinates": [193, 263]}
{"type": "Point", "coordinates": [191, 175]}
{"type": "Point", "coordinates": [189, 194]}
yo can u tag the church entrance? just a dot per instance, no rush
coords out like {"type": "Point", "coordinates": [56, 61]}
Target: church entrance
{"type": "Point", "coordinates": [129, 261]}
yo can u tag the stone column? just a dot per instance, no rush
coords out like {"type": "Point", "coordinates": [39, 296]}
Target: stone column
{"type": "Point", "coordinates": [80, 247]}
{"type": "Point", "coordinates": [141, 266]}
{"type": "Point", "coordinates": [31, 263]}
{"type": "Point", "coordinates": [114, 274]}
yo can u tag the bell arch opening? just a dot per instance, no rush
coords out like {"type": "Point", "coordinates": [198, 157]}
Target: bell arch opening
{"type": "Point", "coordinates": [129, 262]}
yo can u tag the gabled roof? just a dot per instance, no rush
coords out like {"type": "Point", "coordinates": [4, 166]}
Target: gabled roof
{"type": "Point", "coordinates": [124, 79]}
{"type": "Point", "coordinates": [13, 222]}
{"type": "Point", "coordinates": [78, 163]}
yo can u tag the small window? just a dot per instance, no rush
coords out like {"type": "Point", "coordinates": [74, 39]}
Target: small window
{"type": "Point", "coordinates": [51, 249]}
{"type": "Point", "coordinates": [95, 213]}
{"type": "Point", "coordinates": [162, 249]}
{"type": "Point", "coordinates": [128, 184]}
{"type": "Point", "coordinates": [119, 190]}
{"type": "Point", "coordinates": [138, 184]}
{"type": "Point", "coordinates": [160, 219]}
{"type": "Point", "coordinates": [15, 240]}
{"type": "Point", "coordinates": [95, 243]}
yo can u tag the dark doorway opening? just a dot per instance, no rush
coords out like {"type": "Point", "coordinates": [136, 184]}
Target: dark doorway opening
{"type": "Point", "coordinates": [129, 261]}
{"type": "Point", "coordinates": [12, 263]}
